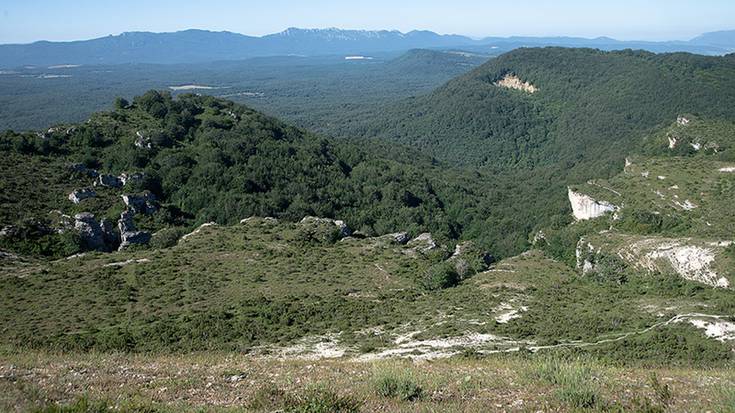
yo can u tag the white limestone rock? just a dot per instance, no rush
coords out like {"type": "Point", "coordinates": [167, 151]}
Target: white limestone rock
{"type": "Point", "coordinates": [89, 231]}
{"type": "Point", "coordinates": [80, 195]}
{"type": "Point", "coordinates": [585, 207]}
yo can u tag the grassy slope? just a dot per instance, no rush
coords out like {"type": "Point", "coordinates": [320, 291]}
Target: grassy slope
{"type": "Point", "coordinates": [255, 284]}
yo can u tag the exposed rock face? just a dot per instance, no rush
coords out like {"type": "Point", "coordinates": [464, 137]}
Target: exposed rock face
{"type": "Point", "coordinates": [344, 230]}
{"type": "Point", "coordinates": [133, 178]}
{"type": "Point", "coordinates": [80, 195]}
{"type": "Point", "coordinates": [129, 234]}
{"type": "Point", "coordinates": [585, 207]}
{"type": "Point", "coordinates": [691, 260]}
{"type": "Point", "coordinates": [144, 203]}
{"type": "Point", "coordinates": [682, 121]}
{"type": "Point", "coordinates": [511, 81]}
{"type": "Point", "coordinates": [109, 181]}
{"type": "Point", "coordinates": [89, 231]}
{"type": "Point", "coordinates": [423, 243]}
{"type": "Point", "coordinates": [673, 140]}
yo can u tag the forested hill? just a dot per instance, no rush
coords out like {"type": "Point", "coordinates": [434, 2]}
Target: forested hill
{"type": "Point", "coordinates": [584, 111]}
{"type": "Point", "coordinates": [207, 159]}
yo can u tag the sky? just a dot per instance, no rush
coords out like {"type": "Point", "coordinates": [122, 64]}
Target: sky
{"type": "Point", "coordinates": [24, 21]}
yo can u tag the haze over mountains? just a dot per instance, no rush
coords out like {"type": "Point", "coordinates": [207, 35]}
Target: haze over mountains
{"type": "Point", "coordinates": [190, 46]}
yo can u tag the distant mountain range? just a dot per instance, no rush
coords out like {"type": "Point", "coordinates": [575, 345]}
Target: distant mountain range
{"type": "Point", "coordinates": [191, 46]}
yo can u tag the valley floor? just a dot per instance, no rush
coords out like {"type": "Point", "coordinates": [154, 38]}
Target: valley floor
{"type": "Point", "coordinates": [239, 382]}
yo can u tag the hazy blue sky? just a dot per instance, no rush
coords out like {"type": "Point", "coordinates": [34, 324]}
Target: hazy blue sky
{"type": "Point", "coordinates": [29, 20]}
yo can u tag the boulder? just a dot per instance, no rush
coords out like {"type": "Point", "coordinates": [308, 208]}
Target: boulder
{"type": "Point", "coordinates": [90, 231]}
{"type": "Point", "coordinates": [108, 181]}
{"type": "Point", "coordinates": [129, 234]}
{"type": "Point", "coordinates": [80, 195]}
{"type": "Point", "coordinates": [144, 203]}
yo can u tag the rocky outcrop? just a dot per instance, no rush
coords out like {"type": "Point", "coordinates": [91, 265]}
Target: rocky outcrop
{"type": "Point", "coordinates": [585, 207]}
{"type": "Point", "coordinates": [90, 231]}
{"type": "Point", "coordinates": [682, 121]}
{"type": "Point", "coordinates": [144, 203]}
{"type": "Point", "coordinates": [133, 178]}
{"type": "Point", "coordinates": [80, 195]}
{"type": "Point", "coordinates": [423, 243]}
{"type": "Point", "coordinates": [690, 259]}
{"type": "Point", "coordinates": [512, 81]}
{"type": "Point", "coordinates": [198, 230]}
{"type": "Point", "coordinates": [108, 181]}
{"type": "Point", "coordinates": [401, 238]}
{"type": "Point", "coordinates": [129, 234]}
{"type": "Point", "coordinates": [344, 230]}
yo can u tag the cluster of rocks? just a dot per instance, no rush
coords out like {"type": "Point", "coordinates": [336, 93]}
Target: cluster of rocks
{"type": "Point", "coordinates": [144, 203]}
{"type": "Point", "coordinates": [105, 235]}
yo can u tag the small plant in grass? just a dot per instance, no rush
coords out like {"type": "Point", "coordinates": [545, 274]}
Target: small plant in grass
{"type": "Point", "coordinates": [662, 392]}
{"type": "Point", "coordinates": [575, 380]}
{"type": "Point", "coordinates": [321, 400]}
{"type": "Point", "coordinates": [726, 400]}
{"type": "Point", "coordinates": [399, 384]}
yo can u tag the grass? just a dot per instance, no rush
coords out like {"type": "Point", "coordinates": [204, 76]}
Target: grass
{"type": "Point", "coordinates": [256, 288]}
{"type": "Point", "coordinates": [52, 382]}
{"type": "Point", "coordinates": [575, 381]}
{"type": "Point", "coordinates": [397, 383]}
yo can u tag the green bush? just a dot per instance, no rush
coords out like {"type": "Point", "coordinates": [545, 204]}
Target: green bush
{"type": "Point", "coordinates": [321, 400]}
{"type": "Point", "coordinates": [575, 381]}
{"type": "Point", "coordinates": [167, 237]}
{"type": "Point", "coordinates": [441, 276]}
{"type": "Point", "coordinates": [397, 384]}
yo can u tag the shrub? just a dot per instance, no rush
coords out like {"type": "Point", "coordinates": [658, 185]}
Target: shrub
{"type": "Point", "coordinates": [440, 276]}
{"type": "Point", "coordinates": [397, 384]}
{"type": "Point", "coordinates": [321, 400]}
{"type": "Point", "coordinates": [575, 381]}
{"type": "Point", "coordinates": [610, 268]}
{"type": "Point", "coordinates": [167, 238]}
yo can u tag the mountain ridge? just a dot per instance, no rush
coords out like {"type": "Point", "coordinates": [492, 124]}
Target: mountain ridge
{"type": "Point", "coordinates": [197, 45]}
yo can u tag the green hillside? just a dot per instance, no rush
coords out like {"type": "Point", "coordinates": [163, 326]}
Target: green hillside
{"type": "Point", "coordinates": [589, 107]}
